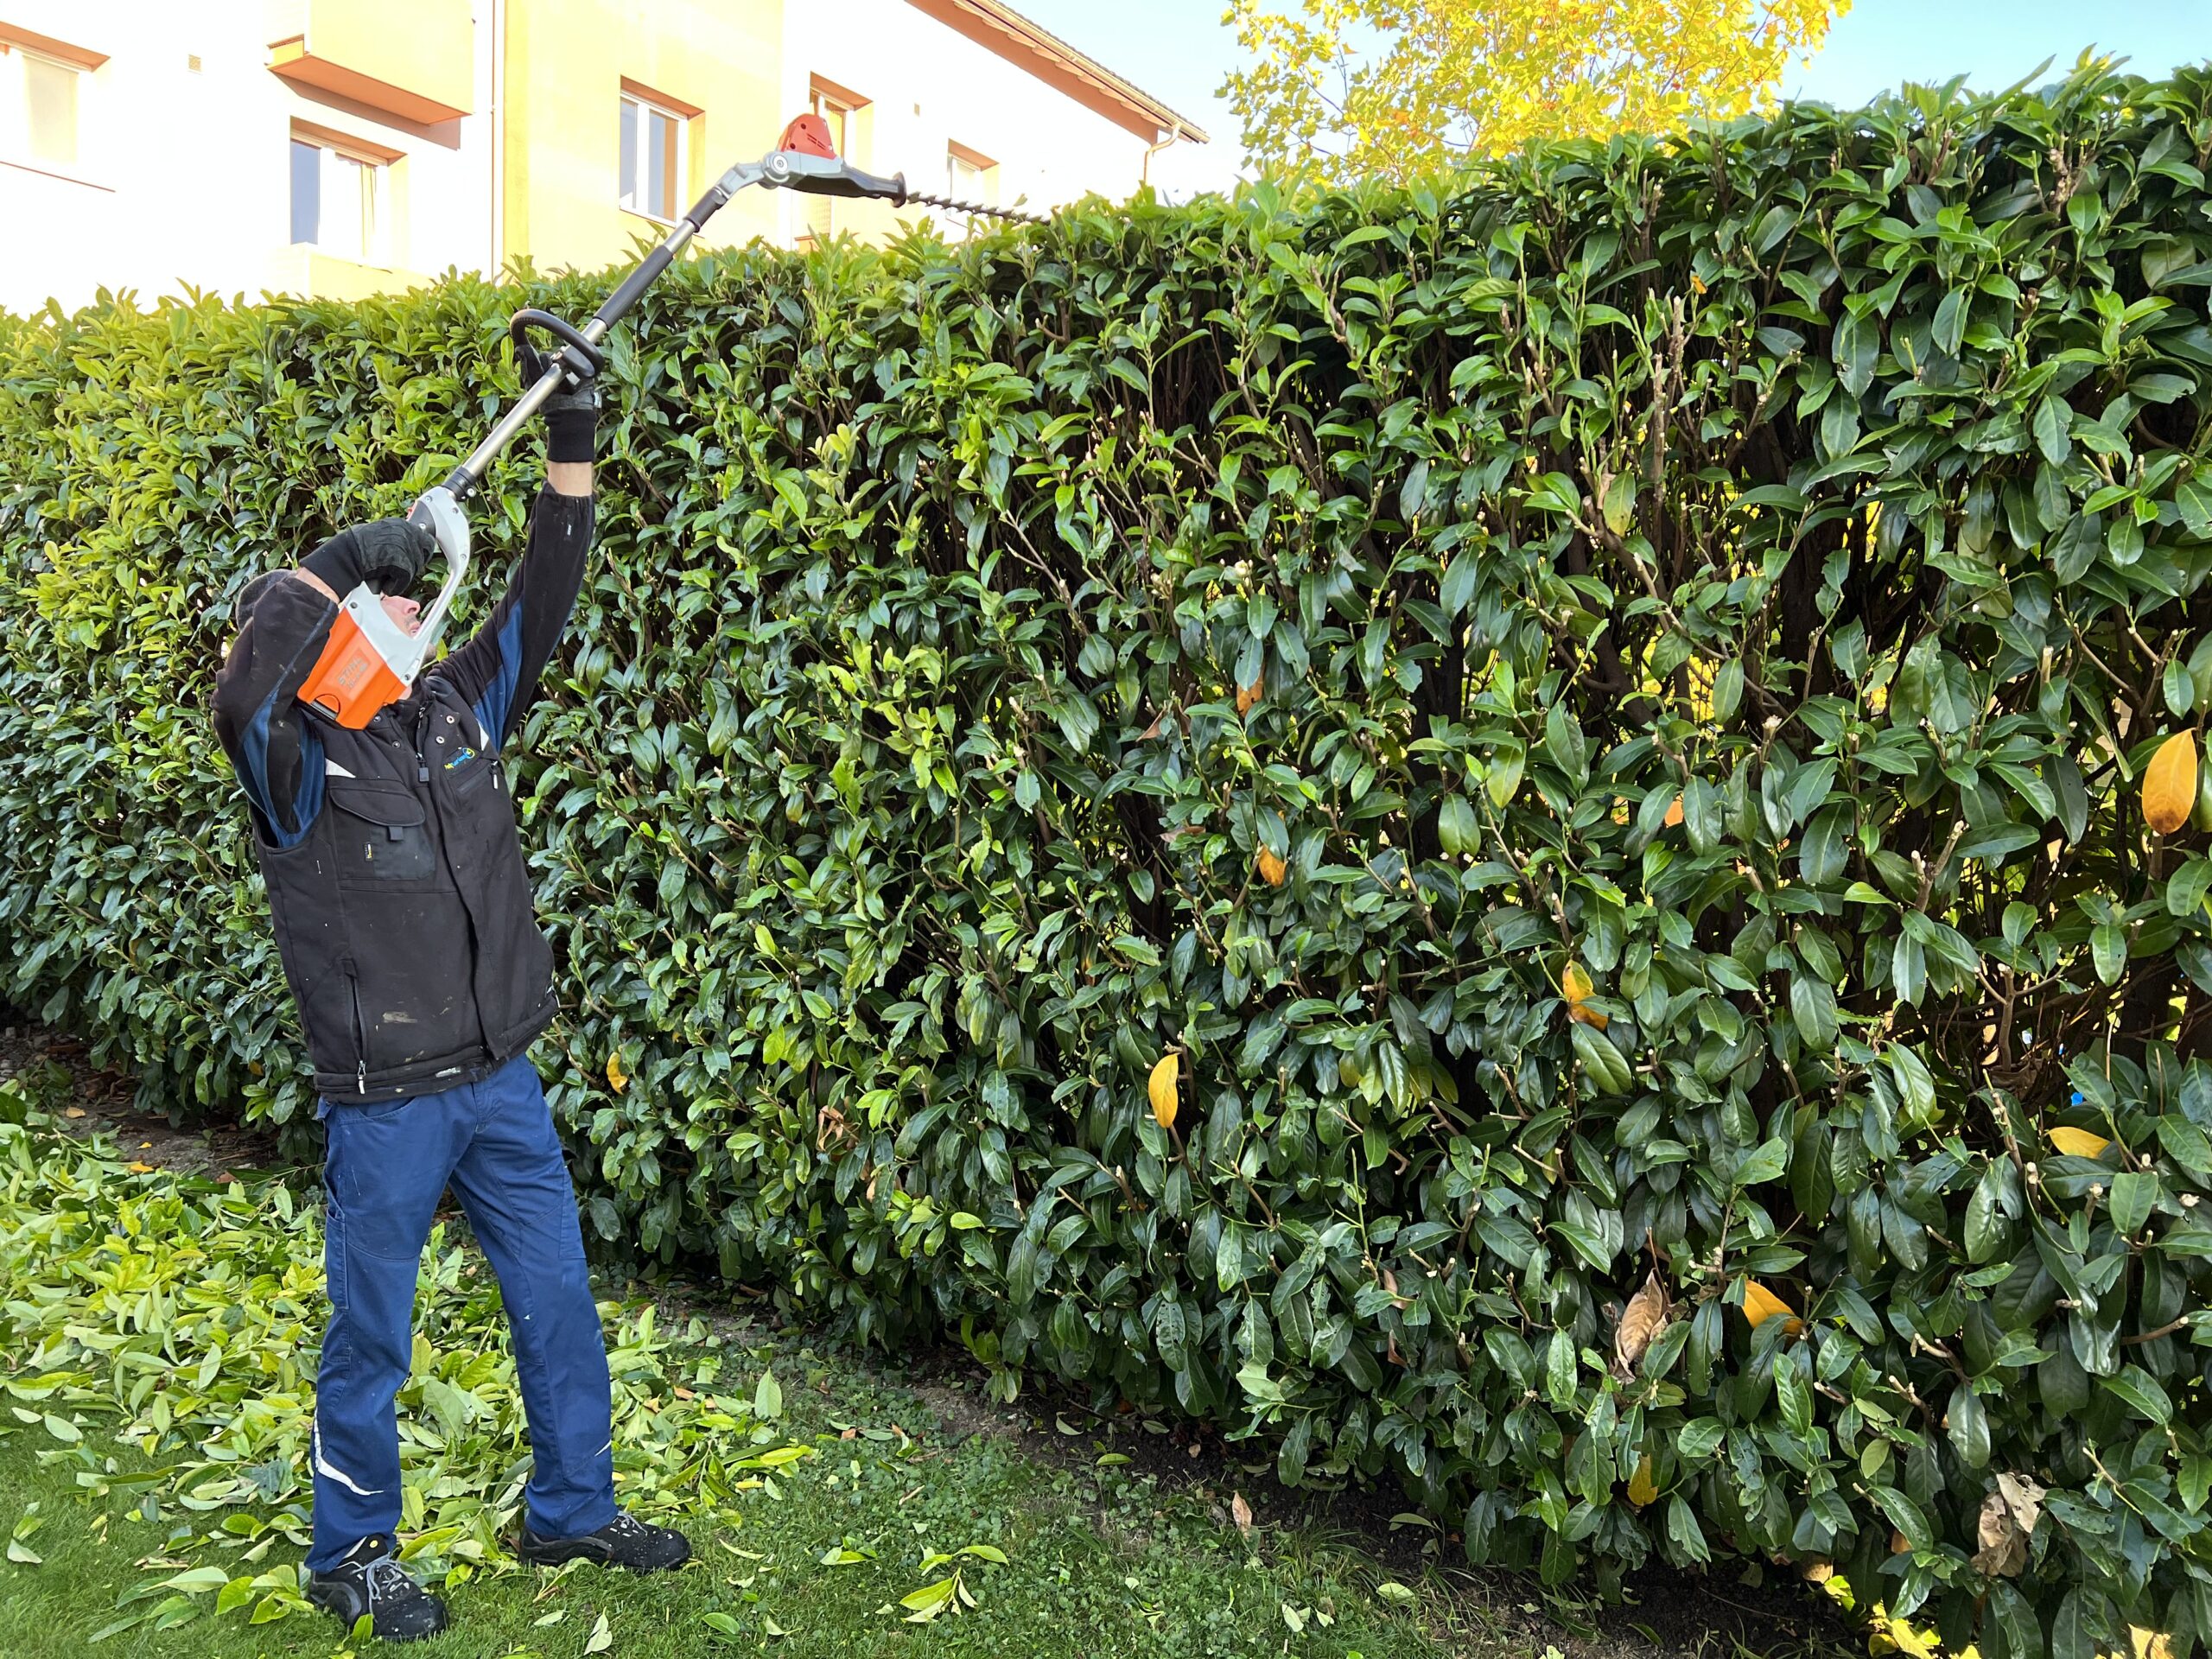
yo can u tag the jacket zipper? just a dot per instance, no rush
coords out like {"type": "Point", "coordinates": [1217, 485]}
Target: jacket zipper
{"type": "Point", "coordinates": [361, 1030]}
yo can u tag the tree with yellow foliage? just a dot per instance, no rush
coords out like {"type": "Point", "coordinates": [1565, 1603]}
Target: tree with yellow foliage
{"type": "Point", "coordinates": [1394, 89]}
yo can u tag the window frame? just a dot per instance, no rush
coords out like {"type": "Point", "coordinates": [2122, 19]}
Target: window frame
{"type": "Point", "coordinates": [375, 163]}
{"type": "Point", "coordinates": [72, 77]}
{"type": "Point", "coordinates": [648, 105]}
{"type": "Point", "coordinates": [981, 167]}
{"type": "Point", "coordinates": [19, 49]}
{"type": "Point", "coordinates": [840, 108]}
{"type": "Point", "coordinates": [837, 111]}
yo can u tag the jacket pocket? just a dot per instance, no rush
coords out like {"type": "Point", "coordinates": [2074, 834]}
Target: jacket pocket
{"type": "Point", "coordinates": [361, 1027]}
{"type": "Point", "coordinates": [465, 782]}
{"type": "Point", "coordinates": [382, 834]}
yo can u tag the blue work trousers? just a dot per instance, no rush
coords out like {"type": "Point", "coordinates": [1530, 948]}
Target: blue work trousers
{"type": "Point", "coordinates": [387, 1167]}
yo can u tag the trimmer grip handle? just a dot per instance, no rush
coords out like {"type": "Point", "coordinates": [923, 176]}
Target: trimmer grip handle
{"type": "Point", "coordinates": [438, 511]}
{"type": "Point", "coordinates": [423, 516]}
{"type": "Point", "coordinates": [579, 356]}
{"type": "Point", "coordinates": [894, 187]}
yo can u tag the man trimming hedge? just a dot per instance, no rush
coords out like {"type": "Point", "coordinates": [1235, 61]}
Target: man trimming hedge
{"type": "Point", "coordinates": [404, 919]}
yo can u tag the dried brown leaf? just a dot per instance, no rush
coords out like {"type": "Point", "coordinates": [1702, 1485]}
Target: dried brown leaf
{"type": "Point", "coordinates": [2003, 1552]}
{"type": "Point", "coordinates": [2024, 1498]}
{"type": "Point", "coordinates": [1641, 1320]}
{"type": "Point", "coordinates": [2008, 1517]}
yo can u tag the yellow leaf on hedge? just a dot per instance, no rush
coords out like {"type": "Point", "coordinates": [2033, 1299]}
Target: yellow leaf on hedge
{"type": "Point", "coordinates": [1162, 1089]}
{"type": "Point", "coordinates": [1761, 1305]}
{"type": "Point", "coordinates": [1641, 1489]}
{"type": "Point", "coordinates": [1675, 813]}
{"type": "Point", "coordinates": [2078, 1143]}
{"type": "Point", "coordinates": [2170, 783]}
{"type": "Point", "coordinates": [1271, 868]}
{"type": "Point", "coordinates": [1575, 985]}
{"type": "Point", "coordinates": [617, 1078]}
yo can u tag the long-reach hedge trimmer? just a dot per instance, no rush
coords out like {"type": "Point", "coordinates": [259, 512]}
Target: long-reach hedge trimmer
{"type": "Point", "coordinates": [370, 661]}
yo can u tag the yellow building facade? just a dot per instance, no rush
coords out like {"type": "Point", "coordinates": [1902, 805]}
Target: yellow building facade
{"type": "Point", "coordinates": [345, 148]}
{"type": "Point", "coordinates": [578, 74]}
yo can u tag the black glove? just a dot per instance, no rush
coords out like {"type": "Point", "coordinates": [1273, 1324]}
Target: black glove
{"type": "Point", "coordinates": [389, 555]}
{"type": "Point", "coordinates": [572, 423]}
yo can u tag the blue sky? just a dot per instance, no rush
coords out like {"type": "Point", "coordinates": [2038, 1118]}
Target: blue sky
{"type": "Point", "coordinates": [1178, 51]}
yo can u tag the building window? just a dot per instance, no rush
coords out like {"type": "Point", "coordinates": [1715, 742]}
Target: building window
{"type": "Point", "coordinates": [339, 199]}
{"type": "Point", "coordinates": [967, 176]}
{"type": "Point", "coordinates": [652, 158]}
{"type": "Point", "coordinates": [836, 115]}
{"type": "Point", "coordinates": [840, 111]}
{"type": "Point", "coordinates": [39, 102]}
{"type": "Point", "coordinates": [971, 175]}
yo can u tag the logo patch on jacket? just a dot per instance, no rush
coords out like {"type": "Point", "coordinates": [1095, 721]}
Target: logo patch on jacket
{"type": "Point", "coordinates": [461, 758]}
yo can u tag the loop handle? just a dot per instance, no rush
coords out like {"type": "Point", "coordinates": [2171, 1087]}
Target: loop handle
{"type": "Point", "coordinates": [581, 358]}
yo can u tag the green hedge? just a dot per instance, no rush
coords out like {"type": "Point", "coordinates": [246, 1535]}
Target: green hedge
{"type": "Point", "coordinates": [971, 626]}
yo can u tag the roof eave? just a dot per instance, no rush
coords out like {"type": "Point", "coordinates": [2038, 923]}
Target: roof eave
{"type": "Point", "coordinates": [1119, 100]}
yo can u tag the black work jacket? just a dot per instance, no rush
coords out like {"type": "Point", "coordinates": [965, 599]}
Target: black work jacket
{"type": "Point", "coordinates": [403, 910]}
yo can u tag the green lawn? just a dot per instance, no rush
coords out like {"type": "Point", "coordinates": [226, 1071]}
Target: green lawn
{"type": "Point", "coordinates": [1094, 1567]}
{"type": "Point", "coordinates": [146, 1312]}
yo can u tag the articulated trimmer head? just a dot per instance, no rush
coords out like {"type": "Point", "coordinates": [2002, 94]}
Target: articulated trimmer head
{"type": "Point", "coordinates": [808, 139]}
{"type": "Point", "coordinates": [369, 662]}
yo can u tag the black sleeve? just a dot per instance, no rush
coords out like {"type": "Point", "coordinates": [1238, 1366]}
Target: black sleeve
{"type": "Point", "coordinates": [497, 670]}
{"type": "Point", "coordinates": [278, 756]}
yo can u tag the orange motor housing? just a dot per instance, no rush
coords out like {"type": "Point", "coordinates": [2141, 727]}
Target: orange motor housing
{"type": "Point", "coordinates": [370, 661]}
{"type": "Point", "coordinates": [351, 680]}
{"type": "Point", "coordinates": [809, 135]}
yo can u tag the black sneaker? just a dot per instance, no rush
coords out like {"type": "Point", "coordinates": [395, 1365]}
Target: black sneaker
{"type": "Point", "coordinates": [371, 1580]}
{"type": "Point", "coordinates": [623, 1541]}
